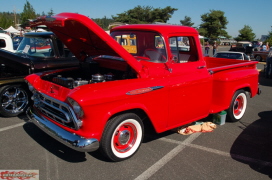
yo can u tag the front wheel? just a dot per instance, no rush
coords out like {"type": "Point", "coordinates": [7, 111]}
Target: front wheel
{"type": "Point", "coordinates": [122, 137]}
{"type": "Point", "coordinates": [14, 100]}
{"type": "Point", "coordinates": [238, 106]}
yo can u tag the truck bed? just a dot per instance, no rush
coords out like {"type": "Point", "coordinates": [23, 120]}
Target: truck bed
{"type": "Point", "coordinates": [229, 73]}
{"type": "Point", "coordinates": [220, 64]}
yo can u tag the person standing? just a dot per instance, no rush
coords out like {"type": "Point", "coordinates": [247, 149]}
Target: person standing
{"type": "Point", "coordinates": [268, 70]}
{"type": "Point", "coordinates": [267, 46]}
{"type": "Point", "coordinates": [207, 48]}
{"type": "Point", "coordinates": [215, 46]}
{"type": "Point", "coordinates": [263, 48]}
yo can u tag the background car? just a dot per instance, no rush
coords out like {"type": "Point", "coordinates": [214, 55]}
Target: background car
{"type": "Point", "coordinates": [243, 46]}
{"type": "Point", "coordinates": [232, 55]}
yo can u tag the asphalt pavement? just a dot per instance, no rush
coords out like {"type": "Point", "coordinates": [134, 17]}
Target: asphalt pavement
{"type": "Point", "coordinates": [240, 150]}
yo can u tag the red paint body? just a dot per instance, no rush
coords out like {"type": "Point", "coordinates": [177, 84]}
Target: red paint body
{"type": "Point", "coordinates": [186, 91]}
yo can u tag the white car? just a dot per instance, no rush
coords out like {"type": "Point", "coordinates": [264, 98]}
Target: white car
{"type": "Point", "coordinates": [232, 55]}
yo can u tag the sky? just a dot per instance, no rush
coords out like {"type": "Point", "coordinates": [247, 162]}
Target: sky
{"type": "Point", "coordinates": [256, 14]}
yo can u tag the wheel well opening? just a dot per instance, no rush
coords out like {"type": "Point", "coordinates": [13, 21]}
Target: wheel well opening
{"type": "Point", "coordinates": [247, 90]}
{"type": "Point", "coordinates": [148, 126]}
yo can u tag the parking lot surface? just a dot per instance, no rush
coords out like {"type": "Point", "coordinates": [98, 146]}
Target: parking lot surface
{"type": "Point", "coordinates": [240, 150]}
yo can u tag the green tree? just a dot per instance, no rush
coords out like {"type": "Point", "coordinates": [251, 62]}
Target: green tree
{"type": "Point", "coordinates": [145, 14]}
{"type": "Point", "coordinates": [103, 22]}
{"type": "Point", "coordinates": [213, 24]}
{"type": "Point", "coordinates": [28, 13]}
{"type": "Point", "coordinates": [246, 34]}
{"type": "Point", "coordinates": [6, 20]}
{"type": "Point", "coordinates": [51, 12]}
{"type": "Point", "coordinates": [187, 21]}
{"type": "Point", "coordinates": [269, 39]}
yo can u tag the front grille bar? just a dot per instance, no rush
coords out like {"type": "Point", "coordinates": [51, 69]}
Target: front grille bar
{"type": "Point", "coordinates": [56, 110]}
{"type": "Point", "coordinates": [67, 117]}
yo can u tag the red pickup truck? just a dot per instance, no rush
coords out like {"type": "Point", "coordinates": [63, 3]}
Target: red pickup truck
{"type": "Point", "coordinates": [106, 101]}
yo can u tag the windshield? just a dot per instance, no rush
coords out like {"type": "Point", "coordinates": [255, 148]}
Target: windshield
{"type": "Point", "coordinates": [148, 45]}
{"type": "Point", "coordinates": [36, 47]}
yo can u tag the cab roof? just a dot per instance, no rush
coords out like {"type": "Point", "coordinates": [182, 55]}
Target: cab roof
{"type": "Point", "coordinates": [160, 28]}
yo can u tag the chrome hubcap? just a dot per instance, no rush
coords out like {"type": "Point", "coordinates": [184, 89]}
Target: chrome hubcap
{"type": "Point", "coordinates": [124, 137]}
{"type": "Point", "coordinates": [14, 100]}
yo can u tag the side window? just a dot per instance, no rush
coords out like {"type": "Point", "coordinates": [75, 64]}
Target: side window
{"type": "Point", "coordinates": [2, 43]}
{"type": "Point", "coordinates": [183, 49]}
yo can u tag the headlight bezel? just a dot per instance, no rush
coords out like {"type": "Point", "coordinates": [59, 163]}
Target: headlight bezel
{"type": "Point", "coordinates": [76, 107]}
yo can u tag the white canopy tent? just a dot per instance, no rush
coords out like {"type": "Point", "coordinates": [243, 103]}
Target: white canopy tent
{"type": "Point", "coordinates": [11, 29]}
{"type": "Point", "coordinates": [40, 30]}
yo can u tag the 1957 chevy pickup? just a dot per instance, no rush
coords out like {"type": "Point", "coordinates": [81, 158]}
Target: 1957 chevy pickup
{"type": "Point", "coordinates": [105, 102]}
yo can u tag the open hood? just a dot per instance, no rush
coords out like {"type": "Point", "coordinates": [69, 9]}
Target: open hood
{"type": "Point", "coordinates": [85, 38]}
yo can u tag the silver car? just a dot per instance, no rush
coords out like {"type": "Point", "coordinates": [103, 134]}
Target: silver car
{"type": "Point", "coordinates": [232, 55]}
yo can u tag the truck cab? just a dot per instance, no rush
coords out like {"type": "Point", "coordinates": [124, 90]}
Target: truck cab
{"type": "Point", "coordinates": [6, 42]}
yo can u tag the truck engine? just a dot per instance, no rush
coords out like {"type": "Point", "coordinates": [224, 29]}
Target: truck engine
{"type": "Point", "coordinates": [94, 71]}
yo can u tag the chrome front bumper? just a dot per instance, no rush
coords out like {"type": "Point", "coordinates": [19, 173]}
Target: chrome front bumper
{"type": "Point", "coordinates": [71, 140]}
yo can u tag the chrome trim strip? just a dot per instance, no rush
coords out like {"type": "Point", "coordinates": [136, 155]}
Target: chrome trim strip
{"type": "Point", "coordinates": [152, 89]}
{"type": "Point", "coordinates": [157, 87]}
{"type": "Point", "coordinates": [69, 139]}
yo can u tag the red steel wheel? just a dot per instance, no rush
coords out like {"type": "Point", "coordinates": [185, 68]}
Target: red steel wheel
{"type": "Point", "coordinates": [122, 137]}
{"type": "Point", "coordinates": [238, 106]}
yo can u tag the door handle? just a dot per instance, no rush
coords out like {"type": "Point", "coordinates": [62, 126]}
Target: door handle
{"type": "Point", "coordinates": [201, 67]}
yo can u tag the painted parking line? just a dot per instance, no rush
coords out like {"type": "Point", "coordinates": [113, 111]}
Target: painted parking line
{"type": "Point", "coordinates": [187, 143]}
{"type": "Point", "coordinates": [164, 160]}
{"type": "Point", "coordinates": [11, 127]}
{"type": "Point", "coordinates": [222, 153]}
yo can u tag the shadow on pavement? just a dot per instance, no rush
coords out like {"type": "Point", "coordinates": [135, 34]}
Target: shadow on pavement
{"type": "Point", "coordinates": [264, 81]}
{"type": "Point", "coordinates": [53, 145]}
{"type": "Point", "coordinates": [254, 145]}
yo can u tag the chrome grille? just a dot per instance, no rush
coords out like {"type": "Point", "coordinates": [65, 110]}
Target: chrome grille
{"type": "Point", "coordinates": [56, 110]}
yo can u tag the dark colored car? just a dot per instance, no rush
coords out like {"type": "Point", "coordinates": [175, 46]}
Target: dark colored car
{"type": "Point", "coordinates": [243, 46]}
{"type": "Point", "coordinates": [37, 52]}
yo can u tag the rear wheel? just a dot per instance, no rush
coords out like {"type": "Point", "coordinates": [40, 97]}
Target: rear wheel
{"type": "Point", "coordinates": [238, 106]}
{"type": "Point", "coordinates": [122, 137]}
{"type": "Point", "coordinates": [13, 100]}
{"type": "Point", "coordinates": [258, 58]}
